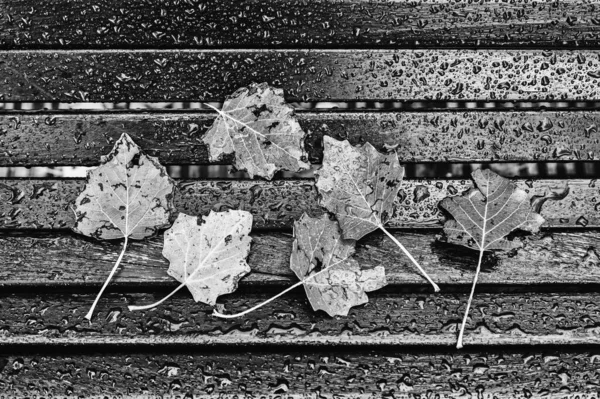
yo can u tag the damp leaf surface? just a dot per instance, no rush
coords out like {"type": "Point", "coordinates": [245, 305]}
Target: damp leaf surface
{"type": "Point", "coordinates": [322, 260]}
{"type": "Point", "coordinates": [484, 215]}
{"type": "Point", "coordinates": [207, 254]}
{"type": "Point", "coordinates": [258, 126]}
{"type": "Point", "coordinates": [128, 196]}
{"type": "Point", "coordinates": [359, 185]}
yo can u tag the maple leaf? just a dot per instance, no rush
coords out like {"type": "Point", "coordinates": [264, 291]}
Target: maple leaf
{"type": "Point", "coordinates": [483, 216]}
{"type": "Point", "coordinates": [333, 281]}
{"type": "Point", "coordinates": [359, 185]}
{"type": "Point", "coordinates": [321, 258]}
{"type": "Point", "coordinates": [128, 196]}
{"type": "Point", "coordinates": [207, 254]}
{"type": "Point", "coordinates": [262, 130]}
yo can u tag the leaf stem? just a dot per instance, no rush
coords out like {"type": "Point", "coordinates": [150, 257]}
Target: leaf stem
{"type": "Point", "coordinates": [133, 308]}
{"type": "Point", "coordinates": [260, 305]}
{"type": "Point", "coordinates": [215, 108]}
{"type": "Point", "coordinates": [110, 276]}
{"type": "Point", "coordinates": [414, 261]}
{"type": "Point", "coordinates": [459, 343]}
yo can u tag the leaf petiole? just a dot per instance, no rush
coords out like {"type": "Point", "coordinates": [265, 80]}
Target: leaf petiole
{"type": "Point", "coordinates": [459, 343]}
{"type": "Point", "coordinates": [260, 305]}
{"type": "Point", "coordinates": [152, 305]}
{"type": "Point", "coordinates": [110, 276]}
{"type": "Point", "coordinates": [414, 261]}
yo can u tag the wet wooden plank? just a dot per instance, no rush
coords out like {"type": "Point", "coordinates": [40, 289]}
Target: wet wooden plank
{"type": "Point", "coordinates": [81, 139]}
{"type": "Point", "coordinates": [64, 259]}
{"type": "Point", "coordinates": [198, 75]}
{"type": "Point", "coordinates": [284, 24]}
{"type": "Point", "coordinates": [506, 373]}
{"type": "Point", "coordinates": [390, 318]}
{"type": "Point", "coordinates": [45, 203]}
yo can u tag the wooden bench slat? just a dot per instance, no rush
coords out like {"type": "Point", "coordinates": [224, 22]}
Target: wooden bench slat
{"type": "Point", "coordinates": [80, 139]}
{"type": "Point", "coordinates": [56, 259]}
{"type": "Point", "coordinates": [45, 203]}
{"type": "Point", "coordinates": [327, 23]}
{"type": "Point", "coordinates": [393, 318]}
{"type": "Point", "coordinates": [196, 75]}
{"type": "Point", "coordinates": [170, 374]}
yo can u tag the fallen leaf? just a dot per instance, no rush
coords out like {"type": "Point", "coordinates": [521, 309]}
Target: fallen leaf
{"type": "Point", "coordinates": [321, 258]}
{"type": "Point", "coordinates": [359, 185]}
{"type": "Point", "coordinates": [129, 195]}
{"type": "Point", "coordinates": [484, 216]}
{"type": "Point", "coordinates": [207, 254]}
{"type": "Point", "coordinates": [258, 126]}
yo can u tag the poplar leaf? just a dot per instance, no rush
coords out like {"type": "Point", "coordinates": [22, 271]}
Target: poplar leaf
{"type": "Point", "coordinates": [484, 216]}
{"type": "Point", "coordinates": [321, 258]}
{"type": "Point", "coordinates": [258, 126]}
{"type": "Point", "coordinates": [359, 185]}
{"type": "Point", "coordinates": [207, 254]}
{"type": "Point", "coordinates": [129, 195]}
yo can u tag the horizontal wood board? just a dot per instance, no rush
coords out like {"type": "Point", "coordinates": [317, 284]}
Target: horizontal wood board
{"type": "Point", "coordinates": [30, 139]}
{"type": "Point", "coordinates": [65, 259]}
{"type": "Point", "coordinates": [281, 24]}
{"type": "Point", "coordinates": [508, 373]}
{"type": "Point", "coordinates": [391, 318]}
{"type": "Point", "coordinates": [45, 203]}
{"type": "Point", "coordinates": [319, 75]}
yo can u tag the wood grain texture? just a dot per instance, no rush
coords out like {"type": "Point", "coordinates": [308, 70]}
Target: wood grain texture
{"type": "Point", "coordinates": [64, 259]}
{"type": "Point", "coordinates": [197, 75]}
{"type": "Point", "coordinates": [285, 24]}
{"type": "Point", "coordinates": [45, 203]}
{"type": "Point", "coordinates": [391, 318]}
{"type": "Point", "coordinates": [176, 138]}
{"type": "Point", "coordinates": [326, 373]}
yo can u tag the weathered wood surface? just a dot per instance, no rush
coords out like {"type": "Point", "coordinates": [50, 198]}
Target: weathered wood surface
{"type": "Point", "coordinates": [197, 75]}
{"type": "Point", "coordinates": [55, 259]}
{"type": "Point", "coordinates": [506, 373]}
{"type": "Point", "coordinates": [45, 203]}
{"type": "Point", "coordinates": [390, 317]}
{"type": "Point", "coordinates": [176, 138]}
{"type": "Point", "coordinates": [281, 24]}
